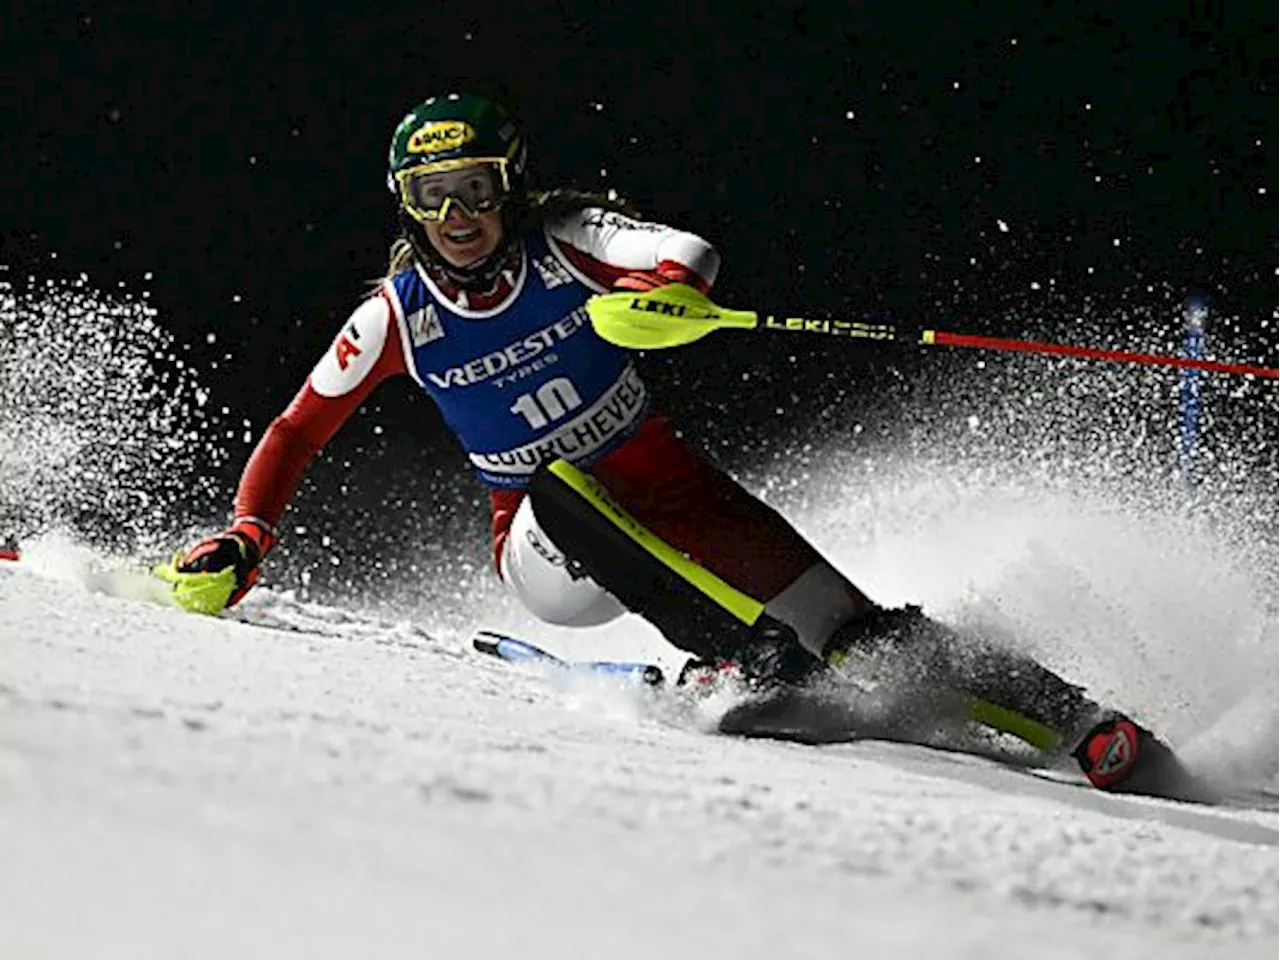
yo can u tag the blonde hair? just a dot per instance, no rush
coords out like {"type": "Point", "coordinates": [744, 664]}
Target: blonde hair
{"type": "Point", "coordinates": [400, 257]}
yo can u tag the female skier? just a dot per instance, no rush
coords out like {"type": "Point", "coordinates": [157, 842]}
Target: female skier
{"type": "Point", "coordinates": [483, 306]}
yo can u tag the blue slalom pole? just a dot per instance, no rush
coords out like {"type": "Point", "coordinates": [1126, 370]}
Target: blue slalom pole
{"type": "Point", "coordinates": [1194, 314]}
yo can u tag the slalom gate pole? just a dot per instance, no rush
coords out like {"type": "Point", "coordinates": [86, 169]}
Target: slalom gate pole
{"type": "Point", "coordinates": [1194, 314]}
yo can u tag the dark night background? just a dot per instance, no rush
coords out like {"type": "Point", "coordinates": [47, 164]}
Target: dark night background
{"type": "Point", "coordinates": [852, 157]}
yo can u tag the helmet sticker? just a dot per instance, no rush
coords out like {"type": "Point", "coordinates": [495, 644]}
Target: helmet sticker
{"type": "Point", "coordinates": [438, 136]}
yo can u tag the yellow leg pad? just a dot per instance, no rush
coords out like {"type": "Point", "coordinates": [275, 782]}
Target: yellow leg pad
{"type": "Point", "coordinates": [745, 608]}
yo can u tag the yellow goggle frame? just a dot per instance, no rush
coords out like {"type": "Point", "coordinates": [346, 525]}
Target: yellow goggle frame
{"type": "Point", "coordinates": [442, 166]}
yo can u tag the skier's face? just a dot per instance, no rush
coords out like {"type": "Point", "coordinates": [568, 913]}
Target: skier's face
{"type": "Point", "coordinates": [463, 239]}
{"type": "Point", "coordinates": [458, 206]}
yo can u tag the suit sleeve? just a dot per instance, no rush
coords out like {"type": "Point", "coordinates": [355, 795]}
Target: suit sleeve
{"type": "Point", "coordinates": [366, 351]}
{"type": "Point", "coordinates": [603, 245]}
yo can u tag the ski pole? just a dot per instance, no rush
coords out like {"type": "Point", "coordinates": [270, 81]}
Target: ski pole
{"type": "Point", "coordinates": [677, 314]}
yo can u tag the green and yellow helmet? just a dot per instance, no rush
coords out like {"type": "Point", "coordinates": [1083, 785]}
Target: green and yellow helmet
{"type": "Point", "coordinates": [451, 132]}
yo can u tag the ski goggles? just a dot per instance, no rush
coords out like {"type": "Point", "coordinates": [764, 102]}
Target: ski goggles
{"type": "Point", "coordinates": [476, 186]}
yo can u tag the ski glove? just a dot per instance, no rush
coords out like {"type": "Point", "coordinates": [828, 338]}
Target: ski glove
{"type": "Point", "coordinates": [218, 571]}
{"type": "Point", "coordinates": [668, 271]}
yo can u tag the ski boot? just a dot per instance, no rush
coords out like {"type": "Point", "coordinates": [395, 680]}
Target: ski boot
{"type": "Point", "coordinates": [771, 659]}
{"type": "Point", "coordinates": [903, 648]}
{"type": "Point", "coordinates": [769, 679]}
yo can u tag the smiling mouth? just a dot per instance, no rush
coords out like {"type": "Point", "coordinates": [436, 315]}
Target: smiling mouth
{"type": "Point", "coordinates": [462, 236]}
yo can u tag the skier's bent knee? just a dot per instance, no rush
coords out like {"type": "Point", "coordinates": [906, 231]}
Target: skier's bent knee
{"type": "Point", "coordinates": [546, 582]}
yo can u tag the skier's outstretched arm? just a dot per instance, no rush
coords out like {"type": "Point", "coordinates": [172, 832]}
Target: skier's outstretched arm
{"type": "Point", "coordinates": [611, 250]}
{"type": "Point", "coordinates": [366, 351]}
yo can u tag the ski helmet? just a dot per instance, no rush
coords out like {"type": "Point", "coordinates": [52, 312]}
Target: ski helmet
{"type": "Point", "coordinates": [457, 130]}
{"type": "Point", "coordinates": [448, 133]}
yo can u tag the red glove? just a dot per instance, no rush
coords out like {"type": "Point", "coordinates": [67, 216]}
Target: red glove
{"type": "Point", "coordinates": [241, 546]}
{"type": "Point", "coordinates": [668, 271]}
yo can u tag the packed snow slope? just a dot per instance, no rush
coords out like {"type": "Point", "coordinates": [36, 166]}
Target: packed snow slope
{"type": "Point", "coordinates": [336, 786]}
{"type": "Point", "coordinates": [351, 780]}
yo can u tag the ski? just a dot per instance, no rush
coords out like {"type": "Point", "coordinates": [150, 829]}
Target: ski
{"type": "Point", "coordinates": [514, 650]}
